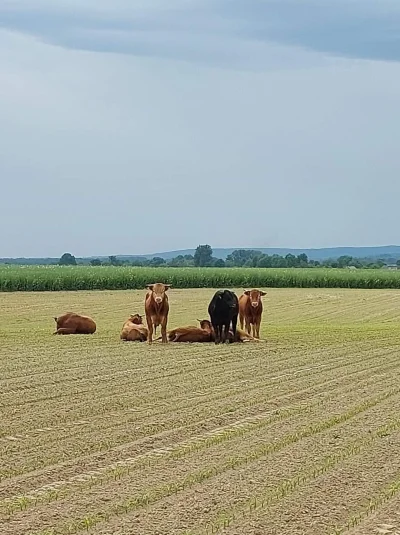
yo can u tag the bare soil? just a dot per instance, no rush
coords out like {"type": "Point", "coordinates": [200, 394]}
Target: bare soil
{"type": "Point", "coordinates": [296, 434]}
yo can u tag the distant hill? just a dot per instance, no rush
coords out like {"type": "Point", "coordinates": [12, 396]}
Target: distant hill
{"type": "Point", "coordinates": [387, 252]}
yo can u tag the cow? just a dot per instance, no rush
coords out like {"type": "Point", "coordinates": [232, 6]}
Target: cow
{"type": "Point", "coordinates": [223, 310]}
{"type": "Point", "coordinates": [189, 334]}
{"type": "Point", "coordinates": [156, 307]}
{"type": "Point", "coordinates": [250, 311]}
{"type": "Point", "coordinates": [134, 330]}
{"type": "Point", "coordinates": [71, 323]}
{"type": "Point", "coordinates": [240, 336]}
{"type": "Point", "coordinates": [134, 319]}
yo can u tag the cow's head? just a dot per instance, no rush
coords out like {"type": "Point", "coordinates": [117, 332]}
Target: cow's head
{"type": "Point", "coordinates": [229, 298]}
{"type": "Point", "coordinates": [136, 318]}
{"type": "Point", "coordinates": [205, 325]}
{"type": "Point", "coordinates": [255, 297]}
{"type": "Point", "coordinates": [158, 290]}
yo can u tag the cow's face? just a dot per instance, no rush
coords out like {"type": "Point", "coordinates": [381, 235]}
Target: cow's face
{"type": "Point", "coordinates": [255, 297]}
{"type": "Point", "coordinates": [205, 325]}
{"type": "Point", "coordinates": [229, 299]}
{"type": "Point", "coordinates": [158, 290]}
{"type": "Point", "coordinates": [136, 318]}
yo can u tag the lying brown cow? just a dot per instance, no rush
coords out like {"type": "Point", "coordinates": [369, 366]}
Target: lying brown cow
{"type": "Point", "coordinates": [156, 307]}
{"type": "Point", "coordinates": [133, 329]}
{"type": "Point", "coordinates": [71, 323]}
{"type": "Point", "coordinates": [189, 334]}
{"type": "Point", "coordinates": [240, 336]}
{"type": "Point", "coordinates": [250, 311]}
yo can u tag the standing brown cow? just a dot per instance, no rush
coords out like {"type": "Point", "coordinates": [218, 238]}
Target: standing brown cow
{"type": "Point", "coordinates": [250, 311]}
{"type": "Point", "coordinates": [156, 307]}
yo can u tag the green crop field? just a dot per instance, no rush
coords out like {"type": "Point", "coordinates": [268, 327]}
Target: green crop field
{"type": "Point", "coordinates": [295, 434]}
{"type": "Point", "coordinates": [58, 278]}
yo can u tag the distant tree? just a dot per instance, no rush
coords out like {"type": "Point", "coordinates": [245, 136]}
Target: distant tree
{"type": "Point", "coordinates": [278, 261]}
{"type": "Point", "coordinates": [344, 260]}
{"type": "Point", "coordinates": [177, 261]}
{"type": "Point", "coordinates": [114, 261]}
{"type": "Point", "coordinates": [138, 262]}
{"type": "Point", "coordinates": [95, 262]}
{"type": "Point", "coordinates": [157, 261]}
{"type": "Point", "coordinates": [302, 259]}
{"type": "Point", "coordinates": [398, 263]}
{"type": "Point", "coordinates": [264, 261]}
{"type": "Point", "coordinates": [67, 259]}
{"type": "Point", "coordinates": [239, 257]}
{"type": "Point", "coordinates": [219, 263]}
{"type": "Point", "coordinates": [291, 260]}
{"type": "Point", "coordinates": [186, 260]}
{"type": "Point", "coordinates": [203, 256]}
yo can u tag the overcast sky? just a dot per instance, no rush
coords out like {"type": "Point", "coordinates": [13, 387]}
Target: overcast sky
{"type": "Point", "coordinates": [138, 126]}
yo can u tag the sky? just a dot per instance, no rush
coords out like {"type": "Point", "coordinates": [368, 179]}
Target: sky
{"type": "Point", "coordinates": [141, 126]}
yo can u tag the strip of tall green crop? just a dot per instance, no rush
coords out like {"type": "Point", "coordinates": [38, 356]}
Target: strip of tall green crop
{"type": "Point", "coordinates": [57, 278]}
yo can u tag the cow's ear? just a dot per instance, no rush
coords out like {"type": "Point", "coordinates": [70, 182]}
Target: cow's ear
{"type": "Point", "coordinates": [55, 319]}
{"type": "Point", "coordinates": [167, 286]}
{"type": "Point", "coordinates": [247, 292]}
{"type": "Point", "coordinates": [263, 293]}
{"type": "Point", "coordinates": [150, 286]}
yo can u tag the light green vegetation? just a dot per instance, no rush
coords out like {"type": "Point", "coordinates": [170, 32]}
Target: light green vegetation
{"type": "Point", "coordinates": [299, 433]}
{"type": "Point", "coordinates": [58, 278]}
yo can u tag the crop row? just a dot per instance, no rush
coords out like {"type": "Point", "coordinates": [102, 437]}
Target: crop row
{"type": "Point", "coordinates": [155, 494]}
{"type": "Point", "coordinates": [60, 278]}
{"type": "Point", "coordinates": [119, 469]}
{"type": "Point", "coordinates": [289, 486]}
{"type": "Point", "coordinates": [177, 419]}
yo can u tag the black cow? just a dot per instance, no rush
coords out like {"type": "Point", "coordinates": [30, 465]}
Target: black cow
{"type": "Point", "coordinates": [223, 309]}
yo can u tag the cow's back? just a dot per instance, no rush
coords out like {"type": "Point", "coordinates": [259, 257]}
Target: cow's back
{"type": "Point", "coordinates": [76, 322]}
{"type": "Point", "coordinates": [134, 332]}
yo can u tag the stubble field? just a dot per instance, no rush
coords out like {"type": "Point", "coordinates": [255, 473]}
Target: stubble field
{"type": "Point", "coordinates": [299, 434]}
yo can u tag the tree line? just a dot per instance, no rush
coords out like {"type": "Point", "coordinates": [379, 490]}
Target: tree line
{"type": "Point", "coordinates": [203, 257]}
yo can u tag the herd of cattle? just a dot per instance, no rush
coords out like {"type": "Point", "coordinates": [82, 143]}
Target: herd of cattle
{"type": "Point", "coordinates": [224, 310]}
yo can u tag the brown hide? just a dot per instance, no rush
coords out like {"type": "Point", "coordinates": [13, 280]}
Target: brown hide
{"type": "Point", "coordinates": [71, 323]}
{"type": "Point", "coordinates": [241, 336]}
{"type": "Point", "coordinates": [134, 330]}
{"type": "Point", "coordinates": [133, 333]}
{"type": "Point", "coordinates": [156, 307]}
{"type": "Point", "coordinates": [250, 311]}
{"type": "Point", "coordinates": [189, 334]}
{"type": "Point", "coordinates": [134, 319]}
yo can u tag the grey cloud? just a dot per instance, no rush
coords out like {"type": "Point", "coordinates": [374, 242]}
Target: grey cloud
{"type": "Point", "coordinates": [194, 30]}
{"type": "Point", "coordinates": [366, 29]}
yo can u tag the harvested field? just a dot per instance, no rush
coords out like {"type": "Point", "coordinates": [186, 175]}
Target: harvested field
{"type": "Point", "coordinates": [298, 434]}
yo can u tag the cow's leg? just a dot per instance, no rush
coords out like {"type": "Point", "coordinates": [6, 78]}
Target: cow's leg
{"type": "Point", "coordinates": [164, 329]}
{"type": "Point", "coordinates": [227, 331]}
{"type": "Point", "coordinates": [234, 326]}
{"type": "Point", "coordinates": [65, 330]}
{"type": "Point", "coordinates": [241, 319]}
{"type": "Point", "coordinates": [258, 327]}
{"type": "Point", "coordinates": [149, 321]}
{"type": "Point", "coordinates": [248, 326]}
{"type": "Point", "coordinates": [217, 331]}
